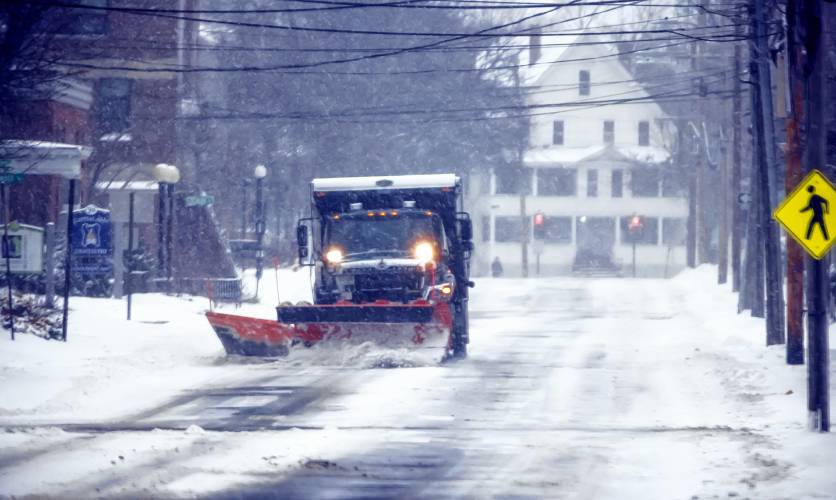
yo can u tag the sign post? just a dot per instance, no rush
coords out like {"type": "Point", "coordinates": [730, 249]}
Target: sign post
{"type": "Point", "coordinates": [8, 177]}
{"type": "Point", "coordinates": [808, 214]}
{"type": "Point", "coordinates": [7, 253]}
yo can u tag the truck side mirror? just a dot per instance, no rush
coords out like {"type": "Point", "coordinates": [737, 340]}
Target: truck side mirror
{"type": "Point", "coordinates": [302, 241]}
{"type": "Point", "coordinates": [466, 229]}
{"type": "Point", "coordinates": [302, 235]}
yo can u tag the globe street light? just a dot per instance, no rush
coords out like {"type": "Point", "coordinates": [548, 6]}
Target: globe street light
{"type": "Point", "coordinates": [166, 175]}
{"type": "Point", "coordinates": [260, 172]}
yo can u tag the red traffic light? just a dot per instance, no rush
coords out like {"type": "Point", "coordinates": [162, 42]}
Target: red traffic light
{"type": "Point", "coordinates": [539, 219]}
{"type": "Point", "coordinates": [635, 223]}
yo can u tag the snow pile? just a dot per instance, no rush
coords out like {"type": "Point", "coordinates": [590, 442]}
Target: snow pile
{"type": "Point", "coordinates": [31, 316]}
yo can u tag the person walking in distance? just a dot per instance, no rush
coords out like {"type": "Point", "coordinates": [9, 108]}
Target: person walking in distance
{"type": "Point", "coordinates": [496, 268]}
{"type": "Point", "coordinates": [820, 207]}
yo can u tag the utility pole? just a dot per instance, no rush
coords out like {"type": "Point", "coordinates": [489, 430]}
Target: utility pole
{"type": "Point", "coordinates": [818, 398]}
{"type": "Point", "coordinates": [723, 232]}
{"type": "Point", "coordinates": [736, 216]}
{"type": "Point", "coordinates": [524, 230]}
{"type": "Point", "coordinates": [751, 291]}
{"type": "Point", "coordinates": [761, 112]}
{"type": "Point", "coordinates": [794, 174]}
{"type": "Point", "coordinates": [691, 232]}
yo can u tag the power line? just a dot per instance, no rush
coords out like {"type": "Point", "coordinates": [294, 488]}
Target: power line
{"type": "Point", "coordinates": [340, 6]}
{"type": "Point", "coordinates": [220, 47]}
{"type": "Point", "coordinates": [285, 27]}
{"type": "Point", "coordinates": [388, 111]}
{"type": "Point", "coordinates": [173, 68]}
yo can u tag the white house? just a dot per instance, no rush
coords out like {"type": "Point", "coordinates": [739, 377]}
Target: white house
{"type": "Point", "coordinates": [598, 155]}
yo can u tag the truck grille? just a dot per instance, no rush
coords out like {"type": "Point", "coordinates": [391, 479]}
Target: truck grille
{"type": "Point", "coordinates": [386, 281]}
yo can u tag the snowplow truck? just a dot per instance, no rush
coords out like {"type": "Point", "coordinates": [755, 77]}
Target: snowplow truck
{"type": "Point", "coordinates": [390, 258]}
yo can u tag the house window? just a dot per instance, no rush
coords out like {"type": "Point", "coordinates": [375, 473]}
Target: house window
{"type": "Point", "coordinates": [513, 180]}
{"type": "Point", "coordinates": [486, 228]}
{"type": "Point", "coordinates": [557, 132]}
{"type": "Point", "coordinates": [647, 235]}
{"type": "Point", "coordinates": [609, 132]}
{"type": "Point", "coordinates": [583, 82]}
{"type": "Point", "coordinates": [66, 20]}
{"type": "Point", "coordinates": [673, 231]}
{"type": "Point", "coordinates": [617, 183]}
{"type": "Point", "coordinates": [592, 183]}
{"type": "Point", "coordinates": [557, 229]}
{"type": "Point", "coordinates": [507, 229]}
{"type": "Point", "coordinates": [644, 133]}
{"type": "Point", "coordinates": [114, 104]}
{"type": "Point", "coordinates": [557, 182]}
{"type": "Point", "coordinates": [644, 182]}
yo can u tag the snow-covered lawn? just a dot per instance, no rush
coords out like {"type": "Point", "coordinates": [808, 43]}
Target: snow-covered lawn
{"type": "Point", "coordinates": [605, 388]}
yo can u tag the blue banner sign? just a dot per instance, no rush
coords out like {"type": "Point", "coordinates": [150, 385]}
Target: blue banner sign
{"type": "Point", "coordinates": [91, 244]}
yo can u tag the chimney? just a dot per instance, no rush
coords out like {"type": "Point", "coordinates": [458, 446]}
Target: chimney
{"type": "Point", "coordinates": [534, 49]}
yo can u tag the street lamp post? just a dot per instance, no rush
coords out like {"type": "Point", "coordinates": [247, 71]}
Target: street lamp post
{"type": "Point", "coordinates": [260, 172]}
{"type": "Point", "coordinates": [167, 176]}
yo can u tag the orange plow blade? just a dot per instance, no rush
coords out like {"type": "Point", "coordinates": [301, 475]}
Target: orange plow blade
{"type": "Point", "coordinates": [421, 325]}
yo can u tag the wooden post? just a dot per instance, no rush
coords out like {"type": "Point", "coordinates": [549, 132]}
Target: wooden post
{"type": "Point", "coordinates": [737, 216]}
{"type": "Point", "coordinates": [129, 281]}
{"type": "Point", "coordinates": [769, 235]}
{"type": "Point", "coordinates": [818, 376]}
{"type": "Point", "coordinates": [7, 251]}
{"type": "Point", "coordinates": [794, 174]}
{"type": "Point", "coordinates": [49, 264]}
{"type": "Point", "coordinates": [723, 231]}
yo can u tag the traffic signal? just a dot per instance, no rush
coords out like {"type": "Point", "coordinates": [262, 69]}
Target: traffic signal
{"type": "Point", "coordinates": [635, 227]}
{"type": "Point", "coordinates": [539, 226]}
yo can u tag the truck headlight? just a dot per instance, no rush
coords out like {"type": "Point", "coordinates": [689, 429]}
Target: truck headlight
{"type": "Point", "coordinates": [334, 256]}
{"type": "Point", "coordinates": [424, 252]}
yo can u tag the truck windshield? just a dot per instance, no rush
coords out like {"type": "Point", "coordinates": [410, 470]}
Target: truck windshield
{"type": "Point", "coordinates": [365, 237]}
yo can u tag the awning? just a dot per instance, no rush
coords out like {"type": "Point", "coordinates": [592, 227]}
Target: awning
{"type": "Point", "coordinates": [43, 158]}
{"type": "Point", "coordinates": [563, 156]}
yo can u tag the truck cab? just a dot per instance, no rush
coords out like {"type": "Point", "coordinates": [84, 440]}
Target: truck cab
{"type": "Point", "coordinates": [397, 240]}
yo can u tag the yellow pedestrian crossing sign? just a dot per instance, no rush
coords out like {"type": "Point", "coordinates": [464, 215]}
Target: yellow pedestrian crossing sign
{"type": "Point", "coordinates": [809, 214]}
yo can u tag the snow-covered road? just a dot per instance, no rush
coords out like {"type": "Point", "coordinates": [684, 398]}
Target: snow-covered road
{"type": "Point", "coordinates": [608, 388]}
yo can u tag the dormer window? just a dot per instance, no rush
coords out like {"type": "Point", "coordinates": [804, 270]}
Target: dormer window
{"type": "Point", "coordinates": [583, 82]}
{"type": "Point", "coordinates": [609, 132]}
{"type": "Point", "coordinates": [644, 133]}
{"type": "Point", "coordinates": [557, 132]}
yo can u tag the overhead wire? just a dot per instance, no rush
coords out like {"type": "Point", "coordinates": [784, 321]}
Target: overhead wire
{"type": "Point", "coordinates": [376, 111]}
{"type": "Point", "coordinates": [283, 69]}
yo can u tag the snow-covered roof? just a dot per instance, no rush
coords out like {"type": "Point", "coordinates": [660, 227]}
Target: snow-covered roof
{"type": "Point", "coordinates": [563, 155]}
{"type": "Point", "coordinates": [645, 154]}
{"type": "Point", "coordinates": [119, 185]}
{"type": "Point", "coordinates": [550, 156]}
{"type": "Point", "coordinates": [385, 182]}
{"type": "Point", "coordinates": [44, 158]}
{"type": "Point", "coordinates": [551, 51]}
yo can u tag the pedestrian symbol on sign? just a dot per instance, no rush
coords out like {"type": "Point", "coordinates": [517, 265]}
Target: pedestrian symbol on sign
{"type": "Point", "coordinates": [805, 214]}
{"type": "Point", "coordinates": [819, 206]}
